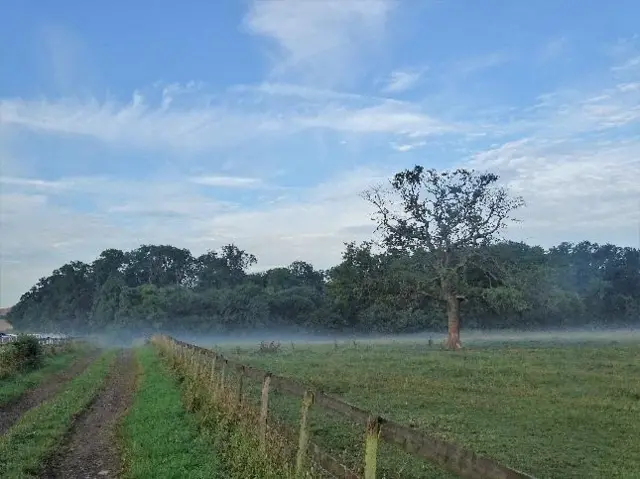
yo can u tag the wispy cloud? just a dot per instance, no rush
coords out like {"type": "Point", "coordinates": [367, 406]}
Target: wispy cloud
{"type": "Point", "coordinates": [227, 181]}
{"type": "Point", "coordinates": [576, 160]}
{"type": "Point", "coordinates": [571, 189]}
{"type": "Point", "coordinates": [318, 40]}
{"type": "Point", "coordinates": [471, 65]}
{"type": "Point", "coordinates": [630, 64]}
{"type": "Point", "coordinates": [32, 182]}
{"type": "Point", "coordinates": [407, 146]}
{"type": "Point", "coordinates": [199, 125]}
{"type": "Point", "coordinates": [400, 81]}
{"type": "Point", "coordinates": [572, 112]}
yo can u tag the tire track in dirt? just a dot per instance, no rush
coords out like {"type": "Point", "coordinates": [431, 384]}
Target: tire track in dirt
{"type": "Point", "coordinates": [91, 450]}
{"type": "Point", "coordinates": [11, 412]}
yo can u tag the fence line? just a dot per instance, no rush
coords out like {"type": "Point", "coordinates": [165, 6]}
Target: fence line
{"type": "Point", "coordinates": [453, 458]}
{"type": "Point", "coordinates": [5, 339]}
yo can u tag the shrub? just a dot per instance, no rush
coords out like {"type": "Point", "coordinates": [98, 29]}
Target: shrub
{"type": "Point", "coordinates": [7, 366]}
{"type": "Point", "coordinates": [272, 347]}
{"type": "Point", "coordinates": [26, 352]}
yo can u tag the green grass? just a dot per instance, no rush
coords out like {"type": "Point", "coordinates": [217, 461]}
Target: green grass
{"type": "Point", "coordinates": [567, 411]}
{"type": "Point", "coordinates": [14, 386]}
{"type": "Point", "coordinates": [39, 431]}
{"type": "Point", "coordinates": [160, 439]}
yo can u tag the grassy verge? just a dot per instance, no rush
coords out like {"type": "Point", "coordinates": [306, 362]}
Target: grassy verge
{"type": "Point", "coordinates": [29, 442]}
{"type": "Point", "coordinates": [16, 385]}
{"type": "Point", "coordinates": [160, 439]}
{"type": "Point", "coordinates": [556, 412]}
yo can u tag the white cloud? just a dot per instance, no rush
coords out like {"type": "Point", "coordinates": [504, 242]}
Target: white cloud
{"type": "Point", "coordinates": [630, 64]}
{"type": "Point", "coordinates": [400, 81]}
{"type": "Point", "coordinates": [320, 40]}
{"type": "Point", "coordinates": [568, 113]}
{"type": "Point", "coordinates": [573, 190]}
{"type": "Point", "coordinates": [407, 146]}
{"type": "Point", "coordinates": [578, 165]}
{"type": "Point", "coordinates": [138, 123]}
{"type": "Point", "coordinates": [36, 183]}
{"type": "Point", "coordinates": [304, 92]}
{"type": "Point", "coordinates": [227, 181]}
{"type": "Point", "coordinates": [181, 122]}
{"type": "Point", "coordinates": [575, 194]}
{"type": "Point", "coordinates": [388, 117]}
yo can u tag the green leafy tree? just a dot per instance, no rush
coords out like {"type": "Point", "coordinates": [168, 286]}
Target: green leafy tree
{"type": "Point", "coordinates": [452, 216]}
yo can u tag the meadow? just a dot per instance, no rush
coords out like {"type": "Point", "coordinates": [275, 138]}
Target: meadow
{"type": "Point", "coordinates": [553, 410]}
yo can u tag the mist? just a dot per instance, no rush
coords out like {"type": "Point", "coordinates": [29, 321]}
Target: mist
{"type": "Point", "coordinates": [471, 338]}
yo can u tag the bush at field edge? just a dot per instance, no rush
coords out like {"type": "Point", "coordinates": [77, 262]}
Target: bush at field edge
{"type": "Point", "coordinates": [24, 353]}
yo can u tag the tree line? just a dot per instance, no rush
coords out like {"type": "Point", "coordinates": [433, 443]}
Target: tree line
{"type": "Point", "coordinates": [440, 262]}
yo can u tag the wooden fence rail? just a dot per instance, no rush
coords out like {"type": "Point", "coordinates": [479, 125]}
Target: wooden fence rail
{"type": "Point", "coordinates": [449, 456]}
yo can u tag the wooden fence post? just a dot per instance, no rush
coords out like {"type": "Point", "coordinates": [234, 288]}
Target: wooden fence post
{"type": "Point", "coordinates": [264, 411]}
{"type": "Point", "coordinates": [214, 386]}
{"type": "Point", "coordinates": [240, 381]}
{"type": "Point", "coordinates": [199, 365]}
{"type": "Point", "coordinates": [303, 440]}
{"type": "Point", "coordinates": [222, 374]}
{"type": "Point", "coordinates": [372, 436]}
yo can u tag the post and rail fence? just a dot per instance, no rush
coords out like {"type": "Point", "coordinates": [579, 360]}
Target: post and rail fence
{"type": "Point", "coordinates": [455, 459]}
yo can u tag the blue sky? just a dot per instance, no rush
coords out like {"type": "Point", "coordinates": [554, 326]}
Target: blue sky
{"type": "Point", "coordinates": [259, 122]}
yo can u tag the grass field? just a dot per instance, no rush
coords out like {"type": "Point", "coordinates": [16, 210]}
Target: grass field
{"type": "Point", "coordinates": [159, 438]}
{"type": "Point", "coordinates": [554, 411]}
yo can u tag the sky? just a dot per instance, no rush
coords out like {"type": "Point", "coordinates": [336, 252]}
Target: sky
{"type": "Point", "coordinates": [202, 123]}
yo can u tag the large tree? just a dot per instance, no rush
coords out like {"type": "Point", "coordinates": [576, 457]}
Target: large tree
{"type": "Point", "coordinates": [446, 220]}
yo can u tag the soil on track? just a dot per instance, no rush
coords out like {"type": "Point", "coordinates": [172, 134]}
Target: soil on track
{"type": "Point", "coordinates": [11, 412]}
{"type": "Point", "coordinates": [91, 450]}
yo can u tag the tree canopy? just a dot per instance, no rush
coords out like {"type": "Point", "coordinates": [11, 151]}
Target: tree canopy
{"type": "Point", "coordinates": [395, 289]}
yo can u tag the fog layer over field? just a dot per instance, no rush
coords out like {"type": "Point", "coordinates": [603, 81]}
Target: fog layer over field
{"type": "Point", "coordinates": [470, 339]}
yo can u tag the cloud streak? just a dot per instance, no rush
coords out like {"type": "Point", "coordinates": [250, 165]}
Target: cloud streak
{"type": "Point", "coordinates": [227, 181]}
{"type": "Point", "coordinates": [320, 42]}
{"type": "Point", "coordinates": [181, 125]}
{"type": "Point", "coordinates": [400, 81]}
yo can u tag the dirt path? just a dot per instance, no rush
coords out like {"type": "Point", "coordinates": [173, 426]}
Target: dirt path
{"type": "Point", "coordinates": [11, 412]}
{"type": "Point", "coordinates": [91, 450]}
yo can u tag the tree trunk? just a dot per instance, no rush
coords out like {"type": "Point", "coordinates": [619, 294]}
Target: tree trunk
{"type": "Point", "coordinates": [453, 322]}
